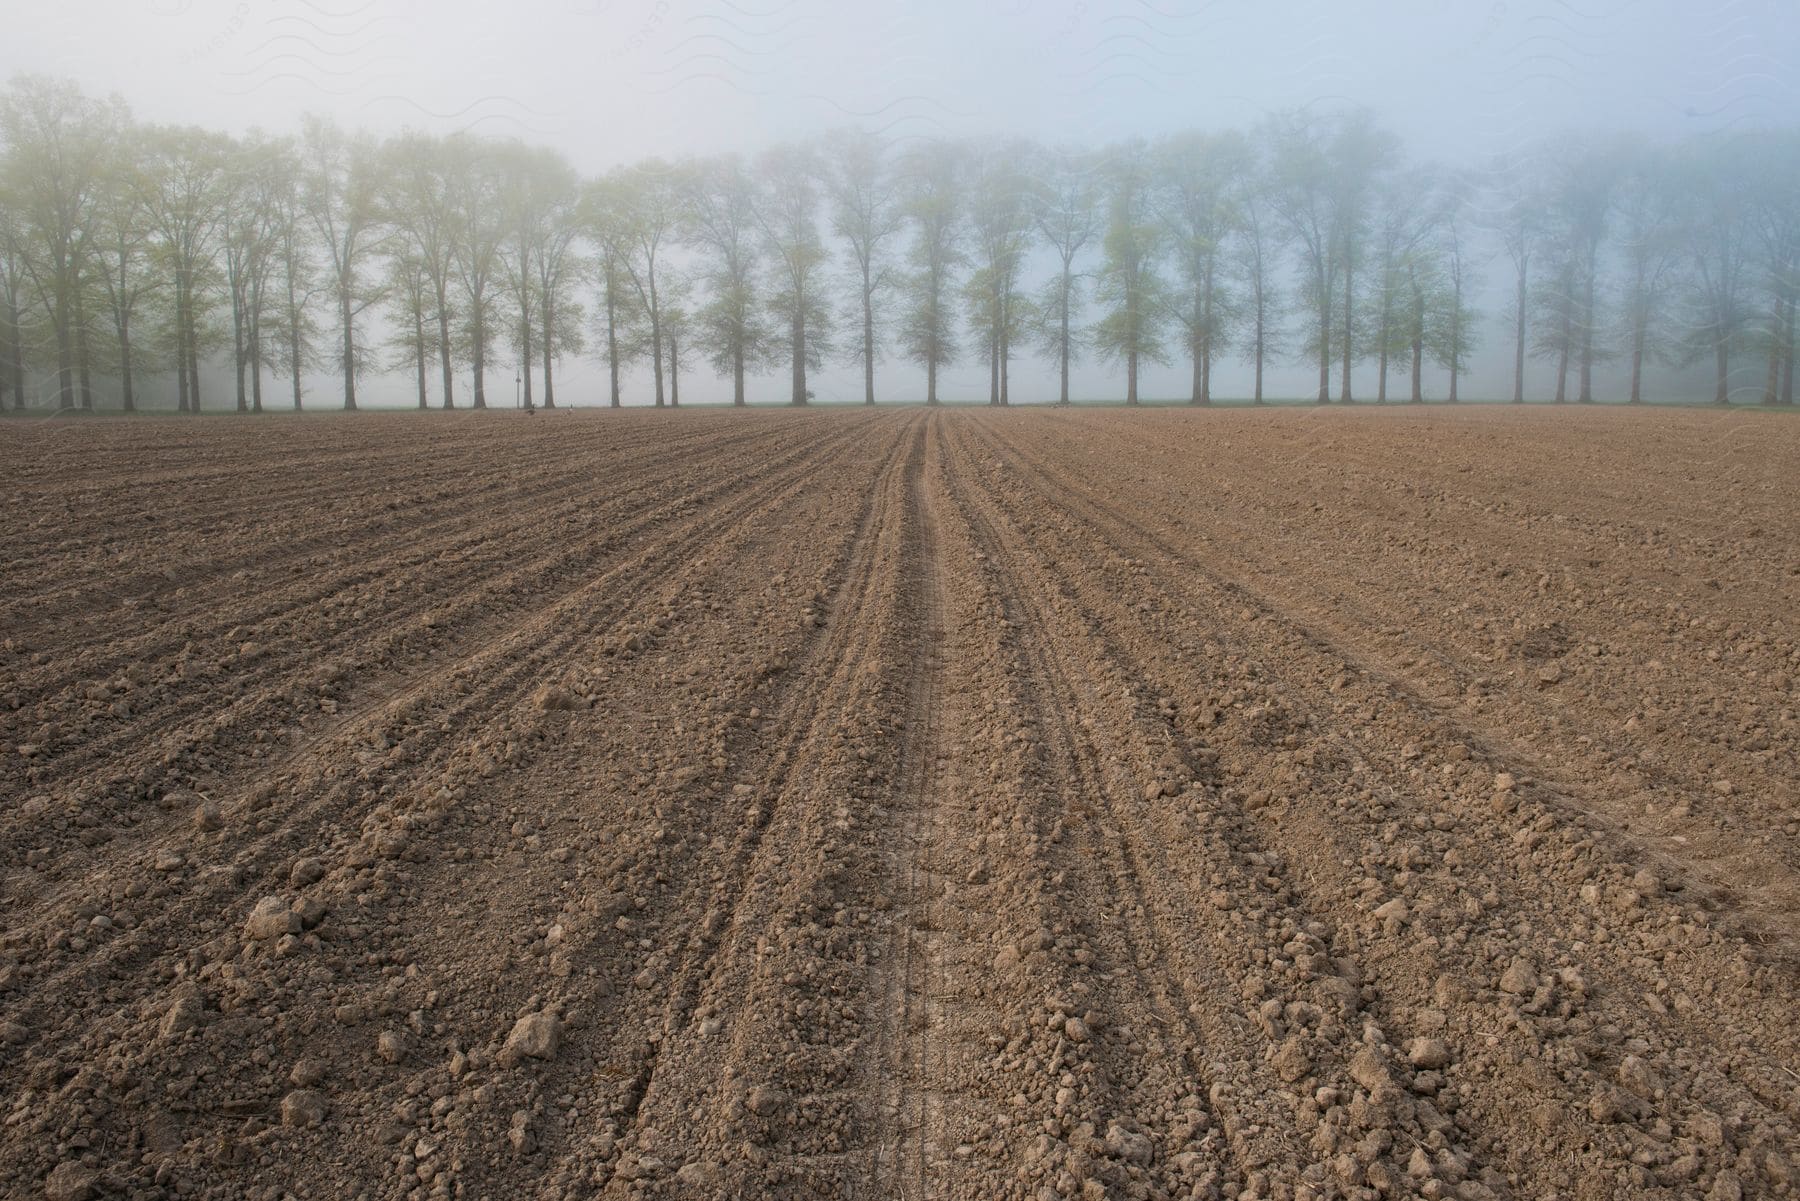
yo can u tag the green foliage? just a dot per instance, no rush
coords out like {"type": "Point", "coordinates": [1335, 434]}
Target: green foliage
{"type": "Point", "coordinates": [154, 251]}
{"type": "Point", "coordinates": [932, 204]}
{"type": "Point", "coordinates": [1131, 291]}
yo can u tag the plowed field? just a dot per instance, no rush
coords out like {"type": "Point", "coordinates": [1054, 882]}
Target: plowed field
{"type": "Point", "coordinates": [902, 804]}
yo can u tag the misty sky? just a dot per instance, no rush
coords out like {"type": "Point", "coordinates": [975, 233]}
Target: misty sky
{"type": "Point", "coordinates": [610, 81]}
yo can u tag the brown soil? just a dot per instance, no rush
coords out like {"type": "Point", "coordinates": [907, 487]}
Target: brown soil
{"type": "Point", "coordinates": [902, 804]}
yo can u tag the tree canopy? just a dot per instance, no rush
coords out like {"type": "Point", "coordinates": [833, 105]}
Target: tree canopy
{"type": "Point", "coordinates": [138, 260]}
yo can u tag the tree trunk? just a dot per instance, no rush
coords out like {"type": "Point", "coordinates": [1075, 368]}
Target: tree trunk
{"type": "Point", "coordinates": [1261, 323]}
{"type": "Point", "coordinates": [128, 401]}
{"type": "Point", "coordinates": [293, 312]}
{"type": "Point", "coordinates": [1418, 347]}
{"type": "Point", "coordinates": [1063, 345]}
{"type": "Point", "coordinates": [799, 348]}
{"type": "Point", "coordinates": [237, 351]}
{"type": "Point", "coordinates": [349, 344]}
{"type": "Point", "coordinates": [65, 378]}
{"type": "Point", "coordinates": [549, 335]}
{"type": "Point", "coordinates": [1381, 342]}
{"type": "Point", "coordinates": [1455, 342]}
{"type": "Point", "coordinates": [1324, 340]}
{"type": "Point", "coordinates": [1722, 359]}
{"type": "Point", "coordinates": [1062, 396]}
{"type": "Point", "coordinates": [419, 357]}
{"type": "Point", "coordinates": [193, 352]}
{"type": "Point", "coordinates": [1004, 351]}
{"type": "Point", "coordinates": [478, 335]}
{"type": "Point", "coordinates": [294, 355]}
{"type": "Point", "coordinates": [1519, 345]}
{"type": "Point", "coordinates": [81, 353]}
{"type": "Point", "coordinates": [1206, 333]}
{"type": "Point", "coordinates": [1349, 340]}
{"type": "Point", "coordinates": [994, 368]}
{"type": "Point", "coordinates": [443, 324]}
{"type": "Point", "coordinates": [525, 359]}
{"type": "Point", "coordinates": [656, 339]}
{"type": "Point", "coordinates": [1005, 365]}
{"type": "Point", "coordinates": [15, 352]}
{"type": "Point", "coordinates": [656, 361]}
{"type": "Point", "coordinates": [612, 341]}
{"type": "Point", "coordinates": [181, 375]}
{"type": "Point", "coordinates": [868, 307]}
{"type": "Point", "coordinates": [1197, 386]}
{"type": "Point", "coordinates": [65, 357]}
{"type": "Point", "coordinates": [1586, 395]}
{"type": "Point", "coordinates": [674, 373]}
{"type": "Point", "coordinates": [1637, 359]}
{"type": "Point", "coordinates": [1131, 374]}
{"type": "Point", "coordinates": [256, 404]}
{"type": "Point", "coordinates": [1562, 362]}
{"type": "Point", "coordinates": [1787, 366]}
{"type": "Point", "coordinates": [1772, 389]}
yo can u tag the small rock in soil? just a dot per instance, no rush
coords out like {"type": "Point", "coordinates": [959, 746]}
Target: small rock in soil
{"type": "Point", "coordinates": [271, 919]}
{"type": "Point", "coordinates": [765, 1100]}
{"type": "Point", "coordinates": [1427, 1053]}
{"type": "Point", "coordinates": [536, 1035]}
{"type": "Point", "coordinates": [302, 1107]}
{"type": "Point", "coordinates": [71, 1181]}
{"type": "Point", "coordinates": [391, 1046]}
{"type": "Point", "coordinates": [1519, 978]}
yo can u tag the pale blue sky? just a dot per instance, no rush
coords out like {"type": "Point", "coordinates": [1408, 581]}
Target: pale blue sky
{"type": "Point", "coordinates": [613, 79]}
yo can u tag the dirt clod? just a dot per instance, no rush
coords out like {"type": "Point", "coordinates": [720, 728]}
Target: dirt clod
{"type": "Point", "coordinates": [303, 1107]}
{"type": "Point", "coordinates": [271, 918]}
{"type": "Point", "coordinates": [534, 1036]}
{"type": "Point", "coordinates": [1427, 1053]}
{"type": "Point", "coordinates": [71, 1181]}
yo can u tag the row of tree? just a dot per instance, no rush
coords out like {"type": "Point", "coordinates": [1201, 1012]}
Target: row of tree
{"type": "Point", "coordinates": [128, 249]}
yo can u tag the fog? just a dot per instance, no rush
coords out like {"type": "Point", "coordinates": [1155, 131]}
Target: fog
{"type": "Point", "coordinates": [611, 82]}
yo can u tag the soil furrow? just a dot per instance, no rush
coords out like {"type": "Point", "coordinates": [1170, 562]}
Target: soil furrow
{"type": "Point", "coordinates": [427, 713]}
{"type": "Point", "coordinates": [1598, 972]}
{"type": "Point", "coordinates": [331, 567]}
{"type": "Point", "coordinates": [410, 634]}
{"type": "Point", "coordinates": [927, 804]}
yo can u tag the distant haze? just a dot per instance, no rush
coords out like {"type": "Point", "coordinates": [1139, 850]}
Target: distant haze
{"type": "Point", "coordinates": [614, 81]}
